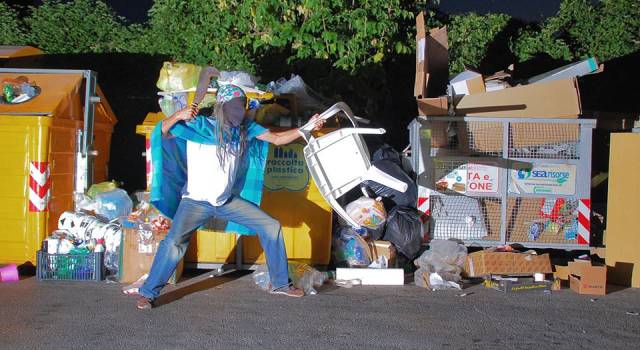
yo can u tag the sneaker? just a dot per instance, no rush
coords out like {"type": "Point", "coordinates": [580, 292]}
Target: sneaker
{"type": "Point", "coordinates": [289, 291]}
{"type": "Point", "coordinates": [144, 303]}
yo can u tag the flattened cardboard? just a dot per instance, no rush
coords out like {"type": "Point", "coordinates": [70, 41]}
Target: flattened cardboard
{"type": "Point", "coordinates": [484, 263]}
{"type": "Point", "coordinates": [622, 238]}
{"type": "Point", "coordinates": [136, 257]}
{"type": "Point", "coordinates": [555, 99]}
{"type": "Point", "coordinates": [432, 60]}
{"type": "Point", "coordinates": [585, 278]}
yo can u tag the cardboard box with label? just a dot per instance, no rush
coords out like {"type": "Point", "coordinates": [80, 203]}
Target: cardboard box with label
{"type": "Point", "coordinates": [485, 262]}
{"type": "Point", "coordinates": [586, 278]}
{"type": "Point", "coordinates": [137, 250]}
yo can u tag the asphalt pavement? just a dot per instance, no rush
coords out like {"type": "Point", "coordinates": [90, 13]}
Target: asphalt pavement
{"type": "Point", "coordinates": [232, 313]}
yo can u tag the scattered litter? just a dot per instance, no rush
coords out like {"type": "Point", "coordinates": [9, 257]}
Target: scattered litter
{"type": "Point", "coordinates": [441, 265]}
{"type": "Point", "coordinates": [9, 273]}
{"type": "Point", "coordinates": [348, 283]}
{"type": "Point", "coordinates": [465, 294]}
{"type": "Point", "coordinates": [632, 313]}
{"type": "Point", "coordinates": [593, 300]}
{"type": "Point", "coordinates": [134, 287]}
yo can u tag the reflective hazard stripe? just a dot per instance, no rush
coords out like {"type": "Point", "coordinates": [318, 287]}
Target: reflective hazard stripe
{"type": "Point", "coordinates": [39, 186]}
{"type": "Point", "coordinates": [584, 221]}
{"type": "Point", "coordinates": [423, 200]}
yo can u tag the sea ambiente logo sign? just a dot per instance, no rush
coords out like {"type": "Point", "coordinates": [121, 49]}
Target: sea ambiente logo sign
{"type": "Point", "coordinates": [544, 179]}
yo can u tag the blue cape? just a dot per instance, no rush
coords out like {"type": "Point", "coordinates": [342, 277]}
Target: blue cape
{"type": "Point", "coordinates": [169, 163]}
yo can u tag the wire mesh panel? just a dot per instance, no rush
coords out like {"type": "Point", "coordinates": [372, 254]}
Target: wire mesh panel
{"type": "Point", "coordinates": [492, 181]}
{"type": "Point", "coordinates": [544, 141]}
{"type": "Point", "coordinates": [461, 138]}
{"type": "Point", "coordinates": [465, 218]}
{"type": "Point", "coordinates": [543, 220]}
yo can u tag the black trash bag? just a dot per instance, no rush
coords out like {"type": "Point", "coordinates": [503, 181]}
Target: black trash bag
{"type": "Point", "coordinates": [404, 230]}
{"type": "Point", "coordinates": [408, 198]}
{"type": "Point", "coordinates": [387, 152]}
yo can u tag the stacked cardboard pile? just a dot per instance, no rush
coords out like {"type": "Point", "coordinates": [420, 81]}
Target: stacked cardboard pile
{"type": "Point", "coordinates": [554, 94]}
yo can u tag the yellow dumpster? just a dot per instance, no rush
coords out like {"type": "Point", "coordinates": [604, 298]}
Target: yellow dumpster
{"type": "Point", "coordinates": [37, 152]}
{"type": "Point", "coordinates": [289, 195]}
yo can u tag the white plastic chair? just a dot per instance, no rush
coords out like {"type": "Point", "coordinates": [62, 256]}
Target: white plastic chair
{"type": "Point", "coordinates": [339, 160]}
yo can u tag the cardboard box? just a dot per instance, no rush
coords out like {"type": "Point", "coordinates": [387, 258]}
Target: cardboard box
{"type": "Point", "coordinates": [585, 278]}
{"type": "Point", "coordinates": [485, 262]}
{"type": "Point", "coordinates": [555, 99]}
{"type": "Point", "coordinates": [137, 250]}
{"type": "Point", "coordinates": [372, 277]}
{"type": "Point", "coordinates": [383, 248]}
{"type": "Point", "coordinates": [622, 239]}
{"type": "Point", "coordinates": [561, 272]}
{"type": "Point", "coordinates": [467, 83]}
{"type": "Point", "coordinates": [517, 285]}
{"type": "Point", "coordinates": [433, 106]}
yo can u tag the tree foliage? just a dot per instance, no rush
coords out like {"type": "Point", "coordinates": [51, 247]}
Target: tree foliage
{"type": "Point", "coordinates": [81, 26]}
{"type": "Point", "coordinates": [11, 29]}
{"type": "Point", "coordinates": [234, 34]}
{"type": "Point", "coordinates": [469, 38]}
{"type": "Point", "coordinates": [238, 34]}
{"type": "Point", "coordinates": [580, 29]}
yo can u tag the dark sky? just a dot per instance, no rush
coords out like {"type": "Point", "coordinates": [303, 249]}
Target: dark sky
{"type": "Point", "coordinates": [525, 10]}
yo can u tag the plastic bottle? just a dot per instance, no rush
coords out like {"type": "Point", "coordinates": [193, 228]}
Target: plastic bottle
{"type": "Point", "coordinates": [8, 93]}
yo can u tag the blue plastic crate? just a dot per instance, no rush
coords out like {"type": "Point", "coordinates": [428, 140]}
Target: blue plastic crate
{"type": "Point", "coordinates": [70, 267]}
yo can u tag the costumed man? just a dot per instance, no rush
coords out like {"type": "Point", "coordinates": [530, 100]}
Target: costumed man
{"type": "Point", "coordinates": [210, 165]}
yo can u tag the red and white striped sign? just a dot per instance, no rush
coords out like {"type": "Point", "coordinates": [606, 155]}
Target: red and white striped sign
{"type": "Point", "coordinates": [39, 186]}
{"type": "Point", "coordinates": [423, 200]}
{"type": "Point", "coordinates": [584, 221]}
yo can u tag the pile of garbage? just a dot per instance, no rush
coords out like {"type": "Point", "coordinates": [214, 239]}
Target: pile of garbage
{"type": "Point", "coordinates": [389, 222]}
{"type": "Point", "coordinates": [302, 276]}
{"type": "Point", "coordinates": [269, 103]}
{"type": "Point", "coordinates": [97, 222]}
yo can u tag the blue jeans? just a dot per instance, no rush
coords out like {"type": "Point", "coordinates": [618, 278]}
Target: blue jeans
{"type": "Point", "coordinates": [192, 214]}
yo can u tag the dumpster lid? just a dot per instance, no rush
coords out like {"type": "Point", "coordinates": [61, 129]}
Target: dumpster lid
{"type": "Point", "coordinates": [61, 96]}
{"type": "Point", "coordinates": [149, 123]}
{"type": "Point", "coordinates": [18, 51]}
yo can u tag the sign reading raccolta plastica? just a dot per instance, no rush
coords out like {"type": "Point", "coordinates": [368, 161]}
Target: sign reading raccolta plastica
{"type": "Point", "coordinates": [286, 168]}
{"type": "Point", "coordinates": [543, 179]}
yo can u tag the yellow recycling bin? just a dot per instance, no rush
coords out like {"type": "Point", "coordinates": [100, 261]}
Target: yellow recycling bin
{"type": "Point", "coordinates": [289, 195]}
{"type": "Point", "coordinates": [37, 152]}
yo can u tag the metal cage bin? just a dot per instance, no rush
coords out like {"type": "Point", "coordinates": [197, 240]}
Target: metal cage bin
{"type": "Point", "coordinates": [494, 181]}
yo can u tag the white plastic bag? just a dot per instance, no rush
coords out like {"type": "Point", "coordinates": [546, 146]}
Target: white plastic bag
{"type": "Point", "coordinates": [367, 212]}
{"type": "Point", "coordinates": [238, 78]}
{"type": "Point", "coordinates": [443, 263]}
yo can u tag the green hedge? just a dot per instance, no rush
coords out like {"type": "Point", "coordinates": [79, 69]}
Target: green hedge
{"type": "Point", "coordinates": [236, 34]}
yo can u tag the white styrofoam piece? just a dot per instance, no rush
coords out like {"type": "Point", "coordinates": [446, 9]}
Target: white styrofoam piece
{"type": "Point", "coordinates": [372, 277]}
